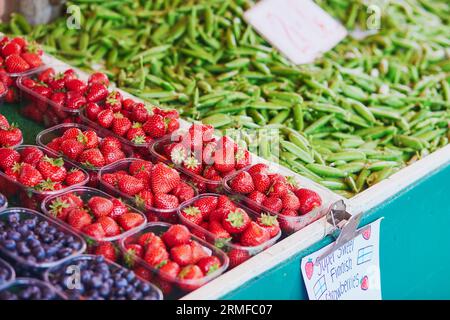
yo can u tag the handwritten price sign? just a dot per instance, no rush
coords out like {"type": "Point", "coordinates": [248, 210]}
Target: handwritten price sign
{"type": "Point", "coordinates": [300, 29]}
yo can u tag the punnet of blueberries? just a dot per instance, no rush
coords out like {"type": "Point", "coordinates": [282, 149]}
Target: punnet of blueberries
{"type": "Point", "coordinates": [33, 240]}
{"type": "Point", "coordinates": [6, 272]}
{"type": "Point", "coordinates": [94, 278]}
{"type": "Point", "coordinates": [28, 289]}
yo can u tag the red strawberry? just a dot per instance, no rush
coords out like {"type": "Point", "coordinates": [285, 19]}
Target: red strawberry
{"type": "Point", "coordinates": [100, 206]}
{"type": "Point", "coordinates": [218, 214]}
{"type": "Point", "coordinates": [155, 126]}
{"type": "Point", "coordinates": [74, 176]}
{"type": "Point", "coordinates": [110, 226]}
{"type": "Point", "coordinates": [224, 160]}
{"type": "Point", "coordinates": [20, 41]}
{"type": "Point", "coordinates": [29, 176]}
{"type": "Point", "coordinates": [75, 100]}
{"type": "Point", "coordinates": [107, 250]}
{"type": "Point", "coordinates": [92, 110]}
{"type": "Point", "coordinates": [110, 178]}
{"type": "Point", "coordinates": [135, 249]}
{"type": "Point", "coordinates": [261, 181]}
{"type": "Point", "coordinates": [54, 144]}
{"type": "Point", "coordinates": [110, 143]}
{"type": "Point", "coordinates": [309, 200]}
{"type": "Point", "coordinates": [209, 172]}
{"type": "Point", "coordinates": [242, 183]}
{"type": "Point", "coordinates": [7, 80]}
{"type": "Point", "coordinates": [270, 223]}
{"type": "Point", "coordinates": [130, 185]}
{"type": "Point", "coordinates": [4, 124]}
{"type": "Point", "coordinates": [130, 220]}
{"type": "Point", "coordinates": [216, 228]}
{"type": "Point", "coordinates": [258, 168]}
{"type": "Point", "coordinates": [89, 139]}
{"type": "Point", "coordinates": [191, 164]}
{"type": "Point", "coordinates": [278, 189]}
{"type": "Point", "coordinates": [11, 48]}
{"type": "Point", "coordinates": [192, 214]}
{"type": "Point", "coordinates": [47, 75]}
{"type": "Point", "coordinates": [61, 206]}
{"type": "Point", "coordinates": [3, 88]}
{"type": "Point", "coordinates": [138, 166]}
{"type": "Point", "coordinates": [176, 152]}
{"type": "Point", "coordinates": [273, 204]}
{"type": "Point", "coordinates": [52, 168]}
{"type": "Point", "coordinates": [10, 137]}
{"type": "Point", "coordinates": [166, 201]}
{"type": "Point", "coordinates": [206, 205]}
{"type": "Point", "coordinates": [71, 148]}
{"type": "Point", "coordinates": [8, 157]}
{"type": "Point", "coordinates": [198, 251]}
{"type": "Point", "coordinates": [139, 113]}
{"type": "Point", "coordinates": [176, 235]}
{"type": "Point", "coordinates": [96, 92]}
{"type": "Point", "coordinates": [94, 230]}
{"type": "Point", "coordinates": [59, 98]}
{"type": "Point", "coordinates": [71, 133]}
{"type": "Point", "coordinates": [173, 125]}
{"type": "Point", "coordinates": [243, 158]}
{"type": "Point", "coordinates": [183, 192]}
{"type": "Point", "coordinates": [169, 270]}
{"type": "Point", "coordinates": [223, 202]}
{"type": "Point", "coordinates": [114, 101]}
{"type": "Point", "coordinates": [255, 199]}
{"type": "Point", "coordinates": [32, 59]}
{"type": "Point", "coordinates": [155, 255]}
{"type": "Point", "coordinates": [237, 257]}
{"type": "Point", "coordinates": [76, 85]}
{"type": "Point", "coordinates": [209, 265]}
{"type": "Point", "coordinates": [143, 273]}
{"type": "Point", "coordinates": [98, 77]}
{"type": "Point", "coordinates": [113, 155]}
{"type": "Point", "coordinates": [147, 238]}
{"type": "Point", "coordinates": [182, 254]}
{"type": "Point", "coordinates": [136, 134]}
{"type": "Point", "coordinates": [120, 124]}
{"type": "Point", "coordinates": [118, 209]}
{"type": "Point", "coordinates": [105, 118]}
{"type": "Point", "coordinates": [92, 158]}
{"type": "Point", "coordinates": [29, 83]}
{"type": "Point", "coordinates": [128, 104]}
{"type": "Point", "coordinates": [236, 221]}
{"type": "Point", "coordinates": [190, 272]}
{"type": "Point", "coordinates": [290, 201]}
{"type": "Point", "coordinates": [254, 235]}
{"type": "Point", "coordinates": [164, 178]}
{"type": "Point", "coordinates": [78, 218]}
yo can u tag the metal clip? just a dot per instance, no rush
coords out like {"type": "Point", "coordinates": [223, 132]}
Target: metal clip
{"type": "Point", "coordinates": [344, 226]}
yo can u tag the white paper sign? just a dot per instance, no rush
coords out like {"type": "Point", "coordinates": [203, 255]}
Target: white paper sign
{"type": "Point", "coordinates": [300, 29]}
{"type": "Point", "coordinates": [351, 272]}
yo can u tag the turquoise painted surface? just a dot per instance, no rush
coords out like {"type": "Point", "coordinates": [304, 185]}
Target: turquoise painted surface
{"type": "Point", "coordinates": [414, 249]}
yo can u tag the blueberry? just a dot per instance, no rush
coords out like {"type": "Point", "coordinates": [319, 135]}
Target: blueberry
{"type": "Point", "coordinates": [96, 281]}
{"type": "Point", "coordinates": [22, 248]}
{"type": "Point", "coordinates": [104, 290]}
{"type": "Point", "coordinates": [13, 235]}
{"type": "Point", "coordinates": [64, 252]}
{"type": "Point", "coordinates": [33, 243]}
{"type": "Point", "coordinates": [9, 244]}
{"type": "Point", "coordinates": [14, 217]}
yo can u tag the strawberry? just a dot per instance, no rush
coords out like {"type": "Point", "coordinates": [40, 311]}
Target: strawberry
{"type": "Point", "coordinates": [89, 139]}
{"type": "Point", "coordinates": [79, 218]}
{"type": "Point", "coordinates": [20, 41]}
{"type": "Point", "coordinates": [12, 97]}
{"type": "Point", "coordinates": [261, 181]}
{"type": "Point", "coordinates": [71, 148]}
{"type": "Point", "coordinates": [192, 214]}
{"type": "Point", "coordinates": [243, 158]}
{"type": "Point", "coordinates": [54, 144]}
{"type": "Point", "coordinates": [164, 178]}
{"type": "Point", "coordinates": [216, 228]}
{"type": "Point", "coordinates": [4, 124]}
{"type": "Point", "coordinates": [76, 85]}
{"type": "Point", "coordinates": [110, 143]}
{"type": "Point", "coordinates": [3, 88]}
{"type": "Point", "coordinates": [255, 200]}
{"type": "Point", "coordinates": [110, 226]}
{"type": "Point", "coordinates": [11, 48]}
{"type": "Point", "coordinates": [242, 183]}
{"type": "Point", "coordinates": [105, 118]}
{"type": "Point", "coordinates": [290, 201]}
{"type": "Point", "coordinates": [113, 155]}
{"type": "Point", "coordinates": [107, 250]}
{"type": "Point", "coordinates": [278, 189]}
{"type": "Point", "coordinates": [29, 176]}
{"type": "Point", "coordinates": [237, 257]}
{"type": "Point", "coordinates": [198, 251]}
{"type": "Point", "coordinates": [155, 255]}
{"type": "Point", "coordinates": [71, 133]}
{"type": "Point", "coordinates": [273, 204]}
{"type": "Point", "coordinates": [32, 59]}
{"type": "Point", "coordinates": [191, 164]}
{"type": "Point", "coordinates": [74, 176]}
{"type": "Point", "coordinates": [114, 101]}
{"type": "Point", "coordinates": [236, 221]}
{"type": "Point", "coordinates": [10, 137]}
{"type": "Point", "coordinates": [29, 83]}
{"type": "Point", "coordinates": [172, 125]}
{"type": "Point", "coordinates": [224, 160]}
{"type": "Point", "coordinates": [206, 204]}
{"type": "Point", "coordinates": [130, 220]}
{"type": "Point", "coordinates": [98, 77]}
{"type": "Point", "coordinates": [191, 273]}
{"type": "Point", "coordinates": [139, 113]}
{"type": "Point", "coordinates": [75, 100]}
{"type": "Point", "coordinates": [100, 206]}
{"type": "Point", "coordinates": [94, 230]}
{"type": "Point", "coordinates": [166, 201]}
{"type": "Point", "coordinates": [136, 134]}
{"type": "Point", "coordinates": [92, 158]}
{"type": "Point", "coordinates": [176, 235]}
{"type": "Point", "coordinates": [96, 92]}
{"type": "Point", "coordinates": [60, 208]}
{"type": "Point", "coordinates": [218, 214]}
{"type": "Point", "coordinates": [254, 235]}
{"type": "Point", "coordinates": [128, 104]}
{"type": "Point", "coordinates": [92, 110]}
{"type": "Point", "coordinates": [52, 168]}
{"type": "Point", "coordinates": [8, 157]}
{"type": "Point", "coordinates": [143, 273]}
{"type": "Point", "coordinates": [6, 79]}
{"type": "Point", "coordinates": [59, 98]}
{"type": "Point", "coordinates": [309, 200]}
{"type": "Point", "coordinates": [130, 185]}
{"type": "Point", "coordinates": [183, 192]}
{"type": "Point", "coordinates": [176, 152]}
{"type": "Point", "coordinates": [13, 172]}
{"type": "Point", "coordinates": [144, 200]}
{"type": "Point", "coordinates": [120, 124]}
{"type": "Point", "coordinates": [135, 249]}
{"type": "Point", "coordinates": [182, 254]}
{"type": "Point", "coordinates": [147, 238]}
{"type": "Point", "coordinates": [110, 178]}
{"type": "Point", "coordinates": [258, 168]}
{"type": "Point", "coordinates": [169, 270]}
{"type": "Point", "coordinates": [138, 166]}
{"type": "Point", "coordinates": [46, 76]}
{"type": "Point", "coordinates": [270, 223]}
{"type": "Point", "coordinates": [223, 202]}
{"type": "Point", "coordinates": [209, 265]}
{"type": "Point", "coordinates": [155, 126]}
{"type": "Point", "coordinates": [118, 209]}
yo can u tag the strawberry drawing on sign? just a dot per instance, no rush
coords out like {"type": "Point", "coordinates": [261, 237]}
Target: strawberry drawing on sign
{"type": "Point", "coordinates": [366, 233]}
{"type": "Point", "coordinates": [309, 268]}
{"type": "Point", "coordinates": [365, 283]}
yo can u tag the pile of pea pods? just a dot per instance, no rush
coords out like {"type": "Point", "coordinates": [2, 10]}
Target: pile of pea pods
{"type": "Point", "coordinates": [352, 118]}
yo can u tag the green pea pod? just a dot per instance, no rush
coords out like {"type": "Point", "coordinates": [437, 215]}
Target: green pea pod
{"type": "Point", "coordinates": [352, 167]}
{"type": "Point", "coordinates": [379, 165]}
{"type": "Point", "coordinates": [347, 156]}
{"type": "Point", "coordinates": [218, 120]}
{"type": "Point", "coordinates": [334, 185]}
{"type": "Point", "coordinates": [326, 171]}
{"type": "Point", "coordinates": [318, 124]}
{"type": "Point", "coordinates": [410, 142]}
{"type": "Point", "coordinates": [300, 153]}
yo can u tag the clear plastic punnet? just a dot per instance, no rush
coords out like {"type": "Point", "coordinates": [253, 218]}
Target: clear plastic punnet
{"type": "Point", "coordinates": [86, 193]}
{"type": "Point", "coordinates": [25, 289]}
{"type": "Point", "coordinates": [30, 197]}
{"type": "Point", "coordinates": [3, 202]}
{"type": "Point", "coordinates": [172, 287]}
{"type": "Point", "coordinates": [7, 273]}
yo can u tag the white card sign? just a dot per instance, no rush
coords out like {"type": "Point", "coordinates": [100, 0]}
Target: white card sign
{"type": "Point", "coordinates": [351, 272]}
{"type": "Point", "coordinates": [300, 29]}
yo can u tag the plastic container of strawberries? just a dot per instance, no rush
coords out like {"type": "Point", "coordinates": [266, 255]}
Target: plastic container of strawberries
{"type": "Point", "coordinates": [288, 224]}
{"type": "Point", "coordinates": [51, 112]}
{"type": "Point", "coordinates": [168, 215]}
{"type": "Point", "coordinates": [46, 136]}
{"type": "Point", "coordinates": [10, 271]}
{"type": "Point", "coordinates": [179, 287]}
{"type": "Point", "coordinates": [156, 150]}
{"type": "Point", "coordinates": [30, 197]}
{"type": "Point", "coordinates": [31, 265]}
{"type": "Point", "coordinates": [22, 283]}
{"type": "Point", "coordinates": [85, 193]}
{"type": "Point", "coordinates": [73, 294]}
{"type": "Point", "coordinates": [226, 246]}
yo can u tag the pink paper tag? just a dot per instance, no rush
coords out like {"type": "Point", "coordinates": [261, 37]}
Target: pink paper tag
{"type": "Point", "coordinates": [300, 29]}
